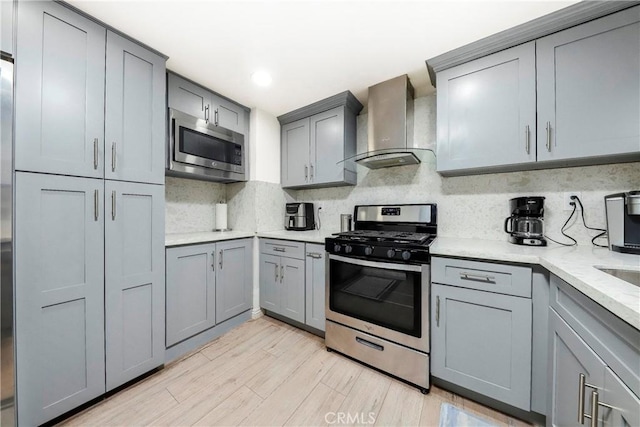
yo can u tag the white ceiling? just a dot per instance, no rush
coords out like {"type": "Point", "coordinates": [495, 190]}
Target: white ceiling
{"type": "Point", "coordinates": [313, 49]}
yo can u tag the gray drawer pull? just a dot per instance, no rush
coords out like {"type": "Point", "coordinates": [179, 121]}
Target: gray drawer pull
{"type": "Point", "coordinates": [279, 249]}
{"type": "Point", "coordinates": [314, 255]}
{"type": "Point", "coordinates": [477, 277]}
{"type": "Point", "coordinates": [369, 344]}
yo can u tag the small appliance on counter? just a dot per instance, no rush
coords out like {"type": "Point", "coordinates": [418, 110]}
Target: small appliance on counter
{"type": "Point", "coordinates": [299, 217]}
{"type": "Point", "coordinates": [525, 226]}
{"type": "Point", "coordinates": [623, 221]}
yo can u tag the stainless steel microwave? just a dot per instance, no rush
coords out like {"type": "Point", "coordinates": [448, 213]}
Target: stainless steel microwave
{"type": "Point", "coordinates": [201, 150]}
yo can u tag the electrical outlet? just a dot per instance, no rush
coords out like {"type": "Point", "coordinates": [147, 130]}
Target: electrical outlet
{"type": "Point", "coordinates": [567, 200]}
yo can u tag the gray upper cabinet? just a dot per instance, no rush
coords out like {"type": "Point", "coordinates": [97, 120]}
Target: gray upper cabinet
{"type": "Point", "coordinates": [188, 97]}
{"type": "Point", "coordinates": [486, 111]}
{"type": "Point", "coordinates": [569, 98]}
{"type": "Point", "coordinates": [203, 104]}
{"type": "Point", "coordinates": [191, 291]}
{"type": "Point", "coordinates": [134, 280]}
{"type": "Point", "coordinates": [295, 153]}
{"type": "Point", "coordinates": [589, 89]}
{"type": "Point", "coordinates": [315, 286]}
{"type": "Point", "coordinates": [135, 117]}
{"type": "Point", "coordinates": [228, 115]}
{"type": "Point", "coordinates": [234, 278]}
{"type": "Point", "coordinates": [315, 141]}
{"type": "Point", "coordinates": [59, 252]}
{"type": "Point", "coordinates": [6, 27]}
{"type": "Point", "coordinates": [60, 70]}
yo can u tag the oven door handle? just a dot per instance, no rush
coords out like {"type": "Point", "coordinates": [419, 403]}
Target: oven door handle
{"type": "Point", "coordinates": [377, 264]}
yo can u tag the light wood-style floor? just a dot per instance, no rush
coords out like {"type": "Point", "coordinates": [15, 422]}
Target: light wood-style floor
{"type": "Point", "coordinates": [266, 372]}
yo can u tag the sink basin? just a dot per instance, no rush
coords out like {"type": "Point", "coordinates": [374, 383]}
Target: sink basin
{"type": "Point", "coordinates": [630, 276]}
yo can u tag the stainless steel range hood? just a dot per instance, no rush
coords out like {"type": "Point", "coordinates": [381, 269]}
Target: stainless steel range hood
{"type": "Point", "coordinates": [390, 125]}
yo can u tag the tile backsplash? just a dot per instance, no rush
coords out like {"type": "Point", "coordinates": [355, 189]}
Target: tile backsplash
{"type": "Point", "coordinates": [468, 206]}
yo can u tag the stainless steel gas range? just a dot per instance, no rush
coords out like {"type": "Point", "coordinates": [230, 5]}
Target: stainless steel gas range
{"type": "Point", "coordinates": [377, 289]}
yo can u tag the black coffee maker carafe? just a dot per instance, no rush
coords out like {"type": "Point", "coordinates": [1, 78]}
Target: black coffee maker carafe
{"type": "Point", "coordinates": [525, 226]}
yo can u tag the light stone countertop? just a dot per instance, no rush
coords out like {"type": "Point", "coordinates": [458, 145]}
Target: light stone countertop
{"type": "Point", "coordinates": [575, 265]}
{"type": "Point", "coordinates": [178, 239]}
{"type": "Point", "coordinates": [310, 236]}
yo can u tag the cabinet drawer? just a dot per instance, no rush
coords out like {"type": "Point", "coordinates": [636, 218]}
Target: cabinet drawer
{"type": "Point", "coordinates": [484, 276]}
{"type": "Point", "coordinates": [286, 248]}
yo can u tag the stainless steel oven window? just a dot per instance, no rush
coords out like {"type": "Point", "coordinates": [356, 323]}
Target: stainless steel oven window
{"type": "Point", "coordinates": [377, 294]}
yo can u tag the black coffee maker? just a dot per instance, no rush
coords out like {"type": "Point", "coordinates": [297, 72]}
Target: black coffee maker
{"type": "Point", "coordinates": [525, 226]}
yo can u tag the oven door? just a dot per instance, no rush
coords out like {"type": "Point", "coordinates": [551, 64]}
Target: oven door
{"type": "Point", "coordinates": [387, 300]}
{"type": "Point", "coordinates": [195, 143]}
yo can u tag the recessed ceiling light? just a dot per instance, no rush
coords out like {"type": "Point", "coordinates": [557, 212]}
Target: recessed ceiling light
{"type": "Point", "coordinates": [261, 78]}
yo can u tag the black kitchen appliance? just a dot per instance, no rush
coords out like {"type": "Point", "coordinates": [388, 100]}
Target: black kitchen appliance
{"type": "Point", "coordinates": [299, 217]}
{"type": "Point", "coordinates": [623, 221]}
{"type": "Point", "coordinates": [377, 289]}
{"type": "Point", "coordinates": [525, 226]}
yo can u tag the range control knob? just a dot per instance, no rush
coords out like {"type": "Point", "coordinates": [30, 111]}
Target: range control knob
{"type": "Point", "coordinates": [391, 253]}
{"type": "Point", "coordinates": [348, 249]}
{"type": "Point", "coordinates": [368, 250]}
{"type": "Point", "coordinates": [406, 255]}
{"type": "Point", "coordinates": [336, 248]}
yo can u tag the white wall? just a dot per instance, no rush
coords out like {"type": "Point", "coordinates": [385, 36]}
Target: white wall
{"type": "Point", "coordinates": [264, 164]}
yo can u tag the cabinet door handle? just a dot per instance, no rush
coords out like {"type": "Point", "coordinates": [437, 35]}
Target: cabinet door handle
{"type": "Point", "coordinates": [213, 261]}
{"type": "Point", "coordinates": [113, 205]}
{"type": "Point", "coordinates": [311, 172]}
{"type": "Point", "coordinates": [95, 153]}
{"type": "Point", "coordinates": [206, 113]}
{"type": "Point", "coordinates": [220, 259]}
{"type": "Point", "coordinates": [549, 136]}
{"type": "Point", "coordinates": [279, 249]}
{"type": "Point", "coordinates": [216, 116]}
{"type": "Point", "coordinates": [527, 139]}
{"type": "Point", "coordinates": [276, 265]}
{"type": "Point", "coordinates": [582, 384]}
{"type": "Point", "coordinates": [438, 311]}
{"type": "Point", "coordinates": [477, 277]}
{"type": "Point", "coordinates": [314, 255]}
{"type": "Point", "coordinates": [306, 173]}
{"type": "Point", "coordinates": [113, 157]}
{"type": "Point", "coordinates": [95, 205]}
{"type": "Point", "coordinates": [281, 273]}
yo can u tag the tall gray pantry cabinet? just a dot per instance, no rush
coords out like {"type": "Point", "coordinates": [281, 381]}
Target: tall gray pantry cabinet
{"type": "Point", "coordinates": [89, 148]}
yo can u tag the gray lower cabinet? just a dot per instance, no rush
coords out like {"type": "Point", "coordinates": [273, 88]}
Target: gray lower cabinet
{"type": "Point", "coordinates": [59, 110]}
{"type": "Point", "coordinates": [59, 256]}
{"type": "Point", "coordinates": [315, 286]}
{"type": "Point", "coordinates": [135, 113]}
{"type": "Point", "coordinates": [195, 100]}
{"type": "Point", "coordinates": [134, 280]}
{"type": "Point", "coordinates": [282, 279]}
{"type": "Point", "coordinates": [587, 341]}
{"type": "Point", "coordinates": [603, 121]}
{"type": "Point", "coordinates": [315, 141]}
{"type": "Point", "coordinates": [191, 291]}
{"type": "Point", "coordinates": [487, 112]}
{"type": "Point", "coordinates": [482, 341]}
{"type": "Point", "coordinates": [481, 328]}
{"type": "Point", "coordinates": [206, 285]}
{"type": "Point", "coordinates": [234, 278]}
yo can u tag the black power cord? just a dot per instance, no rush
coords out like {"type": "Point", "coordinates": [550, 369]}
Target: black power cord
{"type": "Point", "coordinates": [602, 231]}
{"type": "Point", "coordinates": [563, 227]}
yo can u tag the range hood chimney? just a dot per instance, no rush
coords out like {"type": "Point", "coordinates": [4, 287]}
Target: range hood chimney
{"type": "Point", "coordinates": [390, 125]}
